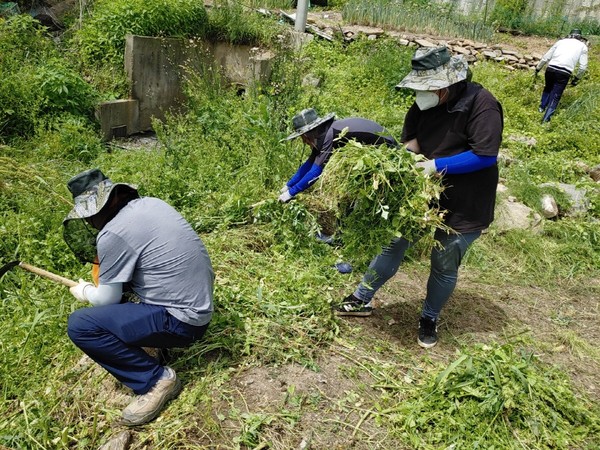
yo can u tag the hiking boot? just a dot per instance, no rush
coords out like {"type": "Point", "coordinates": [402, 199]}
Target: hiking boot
{"type": "Point", "coordinates": [146, 407]}
{"type": "Point", "coordinates": [352, 306]}
{"type": "Point", "coordinates": [427, 333]}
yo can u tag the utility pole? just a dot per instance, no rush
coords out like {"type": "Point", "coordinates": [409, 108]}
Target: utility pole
{"type": "Point", "coordinates": [301, 15]}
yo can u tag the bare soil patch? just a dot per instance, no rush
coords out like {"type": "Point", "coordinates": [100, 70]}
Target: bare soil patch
{"type": "Point", "coordinates": [334, 404]}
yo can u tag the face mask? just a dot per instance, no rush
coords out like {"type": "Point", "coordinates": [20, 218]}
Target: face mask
{"type": "Point", "coordinates": [426, 100]}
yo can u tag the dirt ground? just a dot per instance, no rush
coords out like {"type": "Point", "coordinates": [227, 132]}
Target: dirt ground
{"type": "Point", "coordinates": [337, 400]}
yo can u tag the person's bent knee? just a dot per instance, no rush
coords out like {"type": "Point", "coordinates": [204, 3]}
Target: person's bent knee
{"type": "Point", "coordinates": [78, 326]}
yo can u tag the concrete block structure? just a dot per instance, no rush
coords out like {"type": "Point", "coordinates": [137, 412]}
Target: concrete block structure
{"type": "Point", "coordinates": [157, 69]}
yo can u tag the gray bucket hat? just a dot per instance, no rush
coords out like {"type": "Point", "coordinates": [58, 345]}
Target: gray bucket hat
{"type": "Point", "coordinates": [434, 68]}
{"type": "Point", "coordinates": [91, 190]}
{"type": "Point", "coordinates": [307, 120]}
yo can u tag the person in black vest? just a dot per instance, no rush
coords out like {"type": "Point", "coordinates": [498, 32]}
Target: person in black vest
{"type": "Point", "coordinates": [457, 125]}
{"type": "Point", "coordinates": [322, 135]}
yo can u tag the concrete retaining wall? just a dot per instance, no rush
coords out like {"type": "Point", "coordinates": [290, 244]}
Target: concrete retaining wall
{"type": "Point", "coordinates": [156, 69]}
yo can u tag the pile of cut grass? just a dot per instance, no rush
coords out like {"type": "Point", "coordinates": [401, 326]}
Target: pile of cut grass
{"type": "Point", "coordinates": [496, 396]}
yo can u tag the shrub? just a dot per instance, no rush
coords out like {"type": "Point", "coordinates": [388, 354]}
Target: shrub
{"type": "Point", "coordinates": [102, 36]}
{"type": "Point", "coordinates": [61, 89]}
{"type": "Point", "coordinates": [36, 81]}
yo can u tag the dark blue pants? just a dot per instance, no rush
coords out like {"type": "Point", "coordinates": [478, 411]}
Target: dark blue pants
{"type": "Point", "coordinates": [113, 336]}
{"type": "Point", "coordinates": [555, 83]}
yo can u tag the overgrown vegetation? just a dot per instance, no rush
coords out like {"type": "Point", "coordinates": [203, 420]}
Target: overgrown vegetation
{"type": "Point", "coordinates": [377, 195]}
{"type": "Point", "coordinates": [221, 165]}
{"type": "Point", "coordinates": [479, 23]}
{"type": "Point", "coordinates": [422, 17]}
{"type": "Point", "coordinates": [495, 396]}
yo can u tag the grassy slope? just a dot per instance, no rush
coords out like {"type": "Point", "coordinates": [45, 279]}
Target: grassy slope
{"type": "Point", "coordinates": [277, 367]}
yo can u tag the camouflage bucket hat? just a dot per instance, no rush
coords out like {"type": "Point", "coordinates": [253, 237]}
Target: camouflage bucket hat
{"type": "Point", "coordinates": [433, 69]}
{"type": "Point", "coordinates": [91, 190]}
{"type": "Point", "coordinates": [307, 120]}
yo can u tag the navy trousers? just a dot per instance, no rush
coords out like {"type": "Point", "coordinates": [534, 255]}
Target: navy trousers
{"type": "Point", "coordinates": [113, 336]}
{"type": "Point", "coordinates": [555, 83]}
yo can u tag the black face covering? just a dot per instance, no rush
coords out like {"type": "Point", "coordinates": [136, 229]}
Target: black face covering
{"type": "Point", "coordinates": [80, 235]}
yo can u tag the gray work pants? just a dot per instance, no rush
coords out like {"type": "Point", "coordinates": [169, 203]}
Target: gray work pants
{"type": "Point", "coordinates": [445, 261]}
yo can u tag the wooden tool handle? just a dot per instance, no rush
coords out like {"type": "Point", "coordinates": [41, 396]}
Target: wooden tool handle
{"type": "Point", "coordinates": [49, 275]}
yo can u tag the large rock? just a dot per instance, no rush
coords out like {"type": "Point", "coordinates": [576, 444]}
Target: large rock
{"type": "Point", "coordinates": [578, 201]}
{"type": "Point", "coordinates": [549, 207]}
{"type": "Point", "coordinates": [512, 215]}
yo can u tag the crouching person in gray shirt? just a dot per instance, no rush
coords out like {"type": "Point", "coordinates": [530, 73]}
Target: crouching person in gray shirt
{"type": "Point", "coordinates": [149, 252]}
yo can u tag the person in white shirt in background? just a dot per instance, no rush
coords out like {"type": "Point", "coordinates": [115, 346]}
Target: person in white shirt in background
{"type": "Point", "coordinates": [562, 58]}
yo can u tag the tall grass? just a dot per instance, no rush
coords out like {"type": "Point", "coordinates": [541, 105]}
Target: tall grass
{"type": "Point", "coordinates": [274, 282]}
{"type": "Point", "coordinates": [431, 18]}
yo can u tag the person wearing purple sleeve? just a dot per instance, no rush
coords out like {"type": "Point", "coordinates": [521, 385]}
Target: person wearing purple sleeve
{"type": "Point", "coordinates": [322, 135]}
{"type": "Point", "coordinates": [457, 125]}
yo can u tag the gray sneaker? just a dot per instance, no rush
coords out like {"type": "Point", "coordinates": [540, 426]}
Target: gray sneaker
{"type": "Point", "coordinates": [146, 407]}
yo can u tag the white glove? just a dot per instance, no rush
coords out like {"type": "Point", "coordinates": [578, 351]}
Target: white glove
{"type": "Point", "coordinates": [78, 290]}
{"type": "Point", "coordinates": [427, 166]}
{"type": "Point", "coordinates": [285, 197]}
{"type": "Point", "coordinates": [284, 189]}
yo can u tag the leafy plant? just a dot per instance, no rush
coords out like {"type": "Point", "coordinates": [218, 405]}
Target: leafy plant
{"type": "Point", "coordinates": [378, 194]}
{"type": "Point", "coordinates": [489, 395]}
{"type": "Point", "coordinates": [101, 39]}
{"type": "Point", "coordinates": [61, 89]}
{"type": "Point", "coordinates": [38, 83]}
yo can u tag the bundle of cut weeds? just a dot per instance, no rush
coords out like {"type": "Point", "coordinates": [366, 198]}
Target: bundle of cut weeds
{"type": "Point", "coordinates": [378, 194]}
{"type": "Point", "coordinates": [497, 396]}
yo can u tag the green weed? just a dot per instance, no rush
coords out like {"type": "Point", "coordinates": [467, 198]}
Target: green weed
{"type": "Point", "coordinates": [497, 396]}
{"type": "Point", "coordinates": [421, 16]}
{"type": "Point", "coordinates": [378, 194]}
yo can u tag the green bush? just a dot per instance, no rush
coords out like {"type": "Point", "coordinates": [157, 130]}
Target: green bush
{"type": "Point", "coordinates": [102, 36]}
{"type": "Point", "coordinates": [37, 82]}
{"type": "Point", "coordinates": [61, 89]}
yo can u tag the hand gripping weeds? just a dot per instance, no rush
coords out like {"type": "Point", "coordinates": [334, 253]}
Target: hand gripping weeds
{"type": "Point", "coordinates": [36, 270]}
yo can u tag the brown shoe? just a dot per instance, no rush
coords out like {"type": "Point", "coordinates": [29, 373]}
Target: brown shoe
{"type": "Point", "coordinates": [146, 407]}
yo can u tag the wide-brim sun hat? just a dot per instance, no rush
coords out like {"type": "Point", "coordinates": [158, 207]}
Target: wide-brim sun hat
{"type": "Point", "coordinates": [307, 120]}
{"type": "Point", "coordinates": [91, 190]}
{"type": "Point", "coordinates": [434, 68]}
